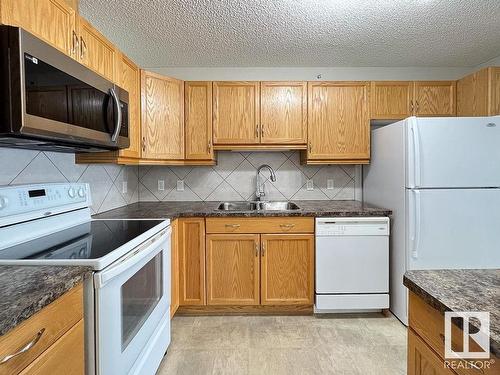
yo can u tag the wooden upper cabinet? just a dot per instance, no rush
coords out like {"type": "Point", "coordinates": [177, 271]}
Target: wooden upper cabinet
{"type": "Point", "coordinates": [95, 51]}
{"type": "Point", "coordinates": [435, 98]}
{"type": "Point", "coordinates": [233, 269]}
{"type": "Point", "coordinates": [287, 269]}
{"type": "Point", "coordinates": [130, 80]}
{"type": "Point", "coordinates": [162, 117]}
{"type": "Point", "coordinates": [338, 122]}
{"type": "Point", "coordinates": [191, 253]}
{"type": "Point", "coordinates": [51, 20]}
{"type": "Point", "coordinates": [495, 91]}
{"type": "Point", "coordinates": [236, 112]}
{"type": "Point", "coordinates": [198, 120]}
{"type": "Point", "coordinates": [283, 112]}
{"type": "Point", "coordinates": [391, 100]}
{"type": "Point", "coordinates": [478, 94]}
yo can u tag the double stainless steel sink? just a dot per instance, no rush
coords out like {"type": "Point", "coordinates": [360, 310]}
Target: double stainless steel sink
{"type": "Point", "coordinates": [257, 206]}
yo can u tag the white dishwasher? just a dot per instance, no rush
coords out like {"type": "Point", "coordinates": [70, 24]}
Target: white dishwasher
{"type": "Point", "coordinates": [352, 264]}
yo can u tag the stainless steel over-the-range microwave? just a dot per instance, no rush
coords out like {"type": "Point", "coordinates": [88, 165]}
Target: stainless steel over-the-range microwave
{"type": "Point", "coordinates": [48, 101]}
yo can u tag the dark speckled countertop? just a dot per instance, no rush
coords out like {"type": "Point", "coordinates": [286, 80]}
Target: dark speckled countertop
{"type": "Point", "coordinates": [27, 289]}
{"type": "Point", "coordinates": [461, 290]}
{"type": "Point", "coordinates": [172, 210]}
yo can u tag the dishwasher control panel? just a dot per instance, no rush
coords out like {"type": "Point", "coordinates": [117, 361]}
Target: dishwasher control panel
{"type": "Point", "coordinates": [352, 226]}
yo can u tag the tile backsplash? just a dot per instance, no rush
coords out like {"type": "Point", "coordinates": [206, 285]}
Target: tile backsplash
{"type": "Point", "coordinates": [233, 178]}
{"type": "Point", "coordinates": [106, 180]}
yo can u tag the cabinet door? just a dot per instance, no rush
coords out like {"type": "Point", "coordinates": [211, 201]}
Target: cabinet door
{"type": "Point", "coordinates": [191, 261]}
{"type": "Point", "coordinates": [96, 52]}
{"type": "Point", "coordinates": [233, 269]}
{"type": "Point", "coordinates": [236, 112]}
{"type": "Point", "coordinates": [162, 117]}
{"type": "Point", "coordinates": [66, 356]}
{"type": "Point", "coordinates": [495, 91]}
{"type": "Point", "coordinates": [51, 20]}
{"type": "Point", "coordinates": [391, 100]}
{"type": "Point", "coordinates": [422, 360]}
{"type": "Point", "coordinates": [129, 79]}
{"type": "Point", "coordinates": [338, 122]}
{"type": "Point", "coordinates": [198, 120]}
{"type": "Point", "coordinates": [283, 112]}
{"type": "Point", "coordinates": [435, 98]}
{"type": "Point", "coordinates": [287, 269]}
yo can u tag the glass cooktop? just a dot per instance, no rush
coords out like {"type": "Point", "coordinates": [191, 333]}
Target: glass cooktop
{"type": "Point", "coordinates": [91, 240]}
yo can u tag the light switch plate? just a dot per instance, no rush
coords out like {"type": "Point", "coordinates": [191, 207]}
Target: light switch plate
{"type": "Point", "coordinates": [310, 185]}
{"type": "Point", "coordinates": [329, 184]}
{"type": "Point", "coordinates": [124, 187]}
{"type": "Point", "coordinates": [161, 185]}
{"type": "Point", "coordinates": [180, 185]}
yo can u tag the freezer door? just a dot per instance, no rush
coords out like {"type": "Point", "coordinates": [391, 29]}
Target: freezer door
{"type": "Point", "coordinates": [453, 152]}
{"type": "Point", "coordinates": [453, 228]}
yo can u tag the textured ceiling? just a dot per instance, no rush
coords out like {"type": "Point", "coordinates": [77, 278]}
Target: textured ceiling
{"type": "Point", "coordinates": [158, 33]}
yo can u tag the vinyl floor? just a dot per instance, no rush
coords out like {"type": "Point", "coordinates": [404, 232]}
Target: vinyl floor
{"type": "Point", "coordinates": [274, 345]}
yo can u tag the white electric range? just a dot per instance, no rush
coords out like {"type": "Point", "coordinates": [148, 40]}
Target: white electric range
{"type": "Point", "coordinates": [127, 299]}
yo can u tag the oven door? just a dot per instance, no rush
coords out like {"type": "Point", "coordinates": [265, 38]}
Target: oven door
{"type": "Point", "coordinates": [132, 309]}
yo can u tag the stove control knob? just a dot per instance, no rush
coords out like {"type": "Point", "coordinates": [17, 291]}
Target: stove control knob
{"type": "Point", "coordinates": [81, 193]}
{"type": "Point", "coordinates": [71, 192]}
{"type": "Point", "coordinates": [3, 202]}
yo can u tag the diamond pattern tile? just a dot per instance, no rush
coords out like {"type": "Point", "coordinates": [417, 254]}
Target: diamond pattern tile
{"type": "Point", "coordinates": [233, 178]}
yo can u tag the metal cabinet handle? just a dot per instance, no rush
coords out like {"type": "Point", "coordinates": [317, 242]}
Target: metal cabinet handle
{"type": "Point", "coordinates": [83, 48]}
{"type": "Point", "coordinates": [411, 107]}
{"type": "Point", "coordinates": [416, 107]}
{"type": "Point", "coordinates": [233, 226]}
{"type": "Point", "coordinates": [76, 43]}
{"type": "Point", "coordinates": [263, 249]}
{"type": "Point", "coordinates": [143, 144]}
{"type": "Point", "coordinates": [257, 130]}
{"type": "Point", "coordinates": [261, 130]}
{"type": "Point", "coordinates": [256, 249]}
{"type": "Point", "coordinates": [209, 146]}
{"type": "Point", "coordinates": [310, 147]}
{"type": "Point", "coordinates": [25, 348]}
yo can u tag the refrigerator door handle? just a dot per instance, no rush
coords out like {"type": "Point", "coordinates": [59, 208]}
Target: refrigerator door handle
{"type": "Point", "coordinates": [415, 234]}
{"type": "Point", "coordinates": [416, 155]}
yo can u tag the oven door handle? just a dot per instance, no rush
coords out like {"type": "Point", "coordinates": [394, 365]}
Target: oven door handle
{"type": "Point", "coordinates": [134, 257]}
{"type": "Point", "coordinates": [118, 125]}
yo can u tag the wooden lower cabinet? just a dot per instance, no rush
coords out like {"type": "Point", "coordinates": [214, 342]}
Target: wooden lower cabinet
{"type": "Point", "coordinates": [232, 269]}
{"type": "Point", "coordinates": [422, 360]}
{"type": "Point", "coordinates": [174, 265]}
{"type": "Point", "coordinates": [65, 357]}
{"type": "Point", "coordinates": [287, 269]}
{"type": "Point", "coordinates": [191, 232]}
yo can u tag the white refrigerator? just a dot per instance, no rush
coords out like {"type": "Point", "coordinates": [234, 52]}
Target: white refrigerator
{"type": "Point", "coordinates": [441, 179]}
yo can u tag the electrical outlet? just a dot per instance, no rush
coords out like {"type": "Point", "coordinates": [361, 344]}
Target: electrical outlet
{"type": "Point", "coordinates": [124, 187]}
{"type": "Point", "coordinates": [161, 185]}
{"type": "Point", "coordinates": [180, 185]}
{"type": "Point", "coordinates": [310, 185]}
{"type": "Point", "coordinates": [329, 184]}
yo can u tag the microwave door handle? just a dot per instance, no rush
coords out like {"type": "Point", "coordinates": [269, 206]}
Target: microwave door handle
{"type": "Point", "coordinates": [118, 124]}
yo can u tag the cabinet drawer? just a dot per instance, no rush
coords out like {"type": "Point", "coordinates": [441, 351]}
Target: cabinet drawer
{"type": "Point", "coordinates": [66, 356]}
{"type": "Point", "coordinates": [260, 225]}
{"type": "Point", "coordinates": [428, 323]}
{"type": "Point", "coordinates": [54, 320]}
